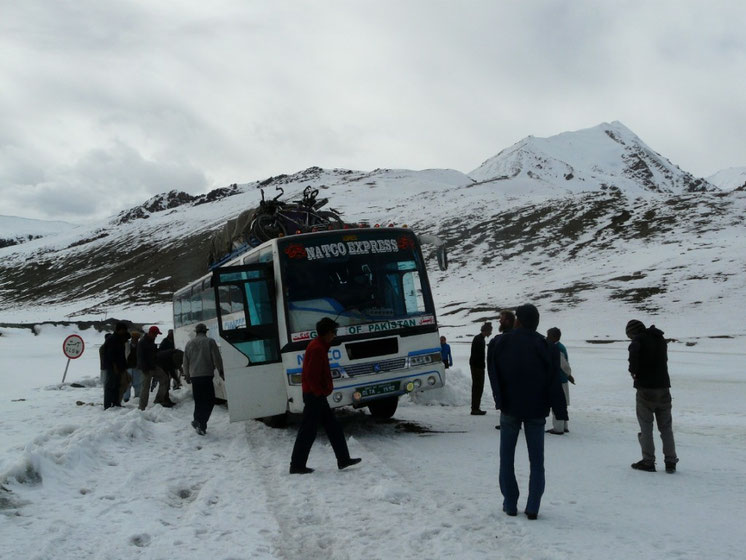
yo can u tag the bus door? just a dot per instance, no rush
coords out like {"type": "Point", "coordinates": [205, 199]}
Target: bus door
{"type": "Point", "coordinates": [247, 320]}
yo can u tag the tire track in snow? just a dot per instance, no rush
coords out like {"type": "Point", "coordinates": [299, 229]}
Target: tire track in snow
{"type": "Point", "coordinates": [375, 510]}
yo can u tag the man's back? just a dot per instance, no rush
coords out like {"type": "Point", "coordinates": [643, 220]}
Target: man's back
{"type": "Point", "coordinates": [526, 369]}
{"type": "Point", "coordinates": [648, 360]}
{"type": "Point", "coordinates": [202, 357]}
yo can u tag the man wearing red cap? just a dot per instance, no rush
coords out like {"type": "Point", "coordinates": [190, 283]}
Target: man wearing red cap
{"type": "Point", "coordinates": [146, 362]}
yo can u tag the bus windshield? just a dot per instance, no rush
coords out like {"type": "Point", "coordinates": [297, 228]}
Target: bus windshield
{"type": "Point", "coordinates": [367, 281]}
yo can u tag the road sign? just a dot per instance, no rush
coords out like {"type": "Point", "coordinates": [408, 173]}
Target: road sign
{"type": "Point", "coordinates": [73, 346]}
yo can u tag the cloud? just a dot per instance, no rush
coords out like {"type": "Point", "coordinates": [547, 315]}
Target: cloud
{"type": "Point", "coordinates": [211, 94]}
{"type": "Point", "coordinates": [101, 183]}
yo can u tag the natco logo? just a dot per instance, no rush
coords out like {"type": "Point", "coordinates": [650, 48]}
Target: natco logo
{"type": "Point", "coordinates": [405, 243]}
{"type": "Point", "coordinates": [296, 251]}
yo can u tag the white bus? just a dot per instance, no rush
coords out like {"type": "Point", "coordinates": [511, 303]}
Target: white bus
{"type": "Point", "coordinates": [262, 307]}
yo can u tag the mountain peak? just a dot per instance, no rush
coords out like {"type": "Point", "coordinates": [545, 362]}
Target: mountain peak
{"type": "Point", "coordinates": [608, 154]}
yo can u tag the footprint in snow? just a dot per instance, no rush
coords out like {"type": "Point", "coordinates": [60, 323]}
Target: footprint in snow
{"type": "Point", "coordinates": [141, 540]}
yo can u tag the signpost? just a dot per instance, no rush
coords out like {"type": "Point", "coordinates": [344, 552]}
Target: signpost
{"type": "Point", "coordinates": [72, 347]}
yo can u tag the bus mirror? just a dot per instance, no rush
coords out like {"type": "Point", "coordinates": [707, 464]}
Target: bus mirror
{"type": "Point", "coordinates": [442, 257]}
{"type": "Point", "coordinates": [440, 249]}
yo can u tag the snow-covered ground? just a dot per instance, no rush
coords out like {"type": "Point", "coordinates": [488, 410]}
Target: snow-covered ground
{"type": "Point", "coordinates": [78, 482]}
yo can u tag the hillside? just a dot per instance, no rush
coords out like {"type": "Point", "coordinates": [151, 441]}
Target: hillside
{"type": "Point", "coordinates": [593, 217]}
{"type": "Point", "coordinates": [15, 230]}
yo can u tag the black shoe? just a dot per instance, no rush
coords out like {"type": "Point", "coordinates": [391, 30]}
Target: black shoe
{"type": "Point", "coordinates": [670, 467]}
{"type": "Point", "coordinates": [202, 431]}
{"type": "Point", "coordinates": [300, 470]}
{"type": "Point", "coordinates": [511, 513]}
{"type": "Point", "coordinates": [167, 404]}
{"type": "Point", "coordinates": [555, 432]}
{"type": "Point", "coordinates": [497, 427]}
{"type": "Point", "coordinates": [347, 463]}
{"type": "Point", "coordinates": [478, 412]}
{"type": "Point", "coordinates": [644, 466]}
{"type": "Point", "coordinates": [566, 430]}
{"type": "Point", "coordinates": [532, 516]}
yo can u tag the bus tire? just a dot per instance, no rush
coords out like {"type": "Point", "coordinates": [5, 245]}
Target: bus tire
{"type": "Point", "coordinates": [277, 421]}
{"type": "Point", "coordinates": [383, 408]}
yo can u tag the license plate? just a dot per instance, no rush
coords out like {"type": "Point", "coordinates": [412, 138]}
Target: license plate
{"type": "Point", "coordinates": [382, 389]}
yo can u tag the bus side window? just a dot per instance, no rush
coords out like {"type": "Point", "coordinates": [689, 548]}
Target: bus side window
{"type": "Point", "coordinates": [196, 305]}
{"type": "Point", "coordinates": [186, 310]}
{"type": "Point", "coordinates": [208, 305]}
{"type": "Point", "coordinates": [177, 313]}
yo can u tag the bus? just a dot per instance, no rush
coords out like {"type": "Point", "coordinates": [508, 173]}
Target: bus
{"type": "Point", "coordinates": [262, 306]}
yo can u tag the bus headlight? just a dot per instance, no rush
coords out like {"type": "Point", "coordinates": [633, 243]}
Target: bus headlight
{"type": "Point", "coordinates": [337, 397]}
{"type": "Point", "coordinates": [431, 380]}
{"type": "Point", "coordinates": [295, 379]}
{"type": "Point", "coordinates": [417, 383]}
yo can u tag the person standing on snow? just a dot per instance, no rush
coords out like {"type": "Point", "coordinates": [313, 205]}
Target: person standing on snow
{"type": "Point", "coordinates": [135, 374]}
{"type": "Point", "coordinates": [146, 362]}
{"type": "Point", "coordinates": [506, 321]}
{"type": "Point", "coordinates": [445, 353]}
{"type": "Point", "coordinates": [114, 364]}
{"type": "Point", "coordinates": [476, 365]}
{"type": "Point", "coordinates": [648, 365]}
{"type": "Point", "coordinates": [316, 379]}
{"type": "Point", "coordinates": [201, 359]}
{"type": "Point", "coordinates": [527, 384]}
{"type": "Point", "coordinates": [559, 427]}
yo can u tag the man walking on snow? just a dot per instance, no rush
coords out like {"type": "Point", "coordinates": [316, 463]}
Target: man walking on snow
{"type": "Point", "coordinates": [648, 365]}
{"type": "Point", "coordinates": [201, 359]}
{"type": "Point", "coordinates": [316, 379]}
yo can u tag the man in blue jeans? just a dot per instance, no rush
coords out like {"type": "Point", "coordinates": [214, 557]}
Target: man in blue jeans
{"type": "Point", "coordinates": [524, 374]}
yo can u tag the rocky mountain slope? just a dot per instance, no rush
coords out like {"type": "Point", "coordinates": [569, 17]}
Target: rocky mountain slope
{"type": "Point", "coordinates": [593, 217]}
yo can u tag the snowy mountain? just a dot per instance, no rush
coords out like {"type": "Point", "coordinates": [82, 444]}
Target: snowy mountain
{"type": "Point", "coordinates": [587, 218]}
{"type": "Point", "coordinates": [607, 155]}
{"type": "Point", "coordinates": [15, 230]}
{"type": "Point", "coordinates": [729, 179]}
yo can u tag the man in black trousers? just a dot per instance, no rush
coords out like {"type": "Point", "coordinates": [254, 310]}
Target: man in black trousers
{"type": "Point", "coordinates": [317, 386]}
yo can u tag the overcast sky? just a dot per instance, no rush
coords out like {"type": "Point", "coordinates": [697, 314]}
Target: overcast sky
{"type": "Point", "coordinates": [105, 103]}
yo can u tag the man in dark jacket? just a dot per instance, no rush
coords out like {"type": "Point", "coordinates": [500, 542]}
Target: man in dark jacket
{"type": "Point", "coordinates": [506, 322]}
{"type": "Point", "coordinates": [648, 365]}
{"type": "Point", "coordinates": [148, 364]}
{"type": "Point", "coordinates": [316, 379]}
{"type": "Point", "coordinates": [114, 364]}
{"type": "Point", "coordinates": [476, 365]}
{"type": "Point", "coordinates": [524, 373]}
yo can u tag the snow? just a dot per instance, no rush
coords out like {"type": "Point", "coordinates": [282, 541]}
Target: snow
{"type": "Point", "coordinates": [13, 226]}
{"type": "Point", "coordinates": [729, 179]}
{"type": "Point", "coordinates": [79, 482]}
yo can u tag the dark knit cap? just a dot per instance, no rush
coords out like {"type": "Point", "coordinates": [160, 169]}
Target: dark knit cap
{"type": "Point", "coordinates": [528, 315]}
{"type": "Point", "coordinates": [634, 327]}
{"type": "Point", "coordinates": [326, 325]}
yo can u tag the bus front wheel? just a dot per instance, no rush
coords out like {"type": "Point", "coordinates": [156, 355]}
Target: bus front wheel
{"type": "Point", "coordinates": [278, 421]}
{"type": "Point", "coordinates": [383, 408]}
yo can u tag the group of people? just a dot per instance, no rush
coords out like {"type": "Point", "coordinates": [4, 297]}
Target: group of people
{"type": "Point", "coordinates": [133, 362]}
{"type": "Point", "coordinates": [529, 376]}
